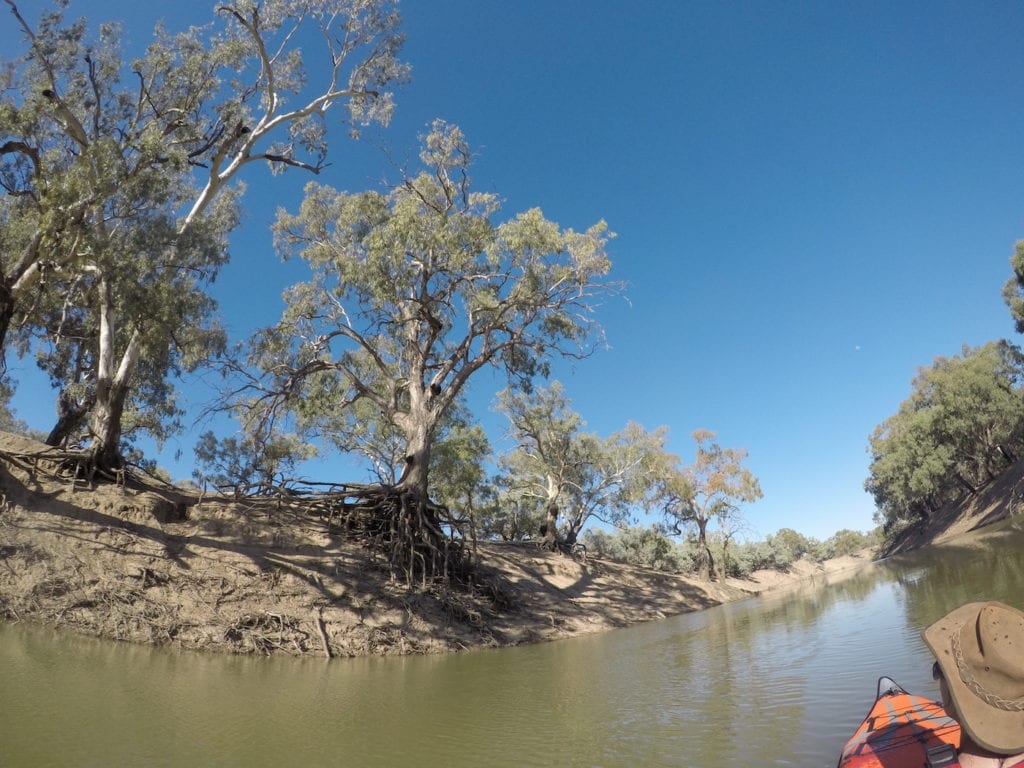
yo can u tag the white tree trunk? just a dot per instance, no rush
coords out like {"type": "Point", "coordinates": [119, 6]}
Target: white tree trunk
{"type": "Point", "coordinates": [419, 427]}
{"type": "Point", "coordinates": [111, 385]}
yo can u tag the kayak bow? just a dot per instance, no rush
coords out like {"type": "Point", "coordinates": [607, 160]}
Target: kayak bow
{"type": "Point", "coordinates": [902, 730]}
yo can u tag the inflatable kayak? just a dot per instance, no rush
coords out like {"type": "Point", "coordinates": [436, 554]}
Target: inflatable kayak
{"type": "Point", "coordinates": [902, 730]}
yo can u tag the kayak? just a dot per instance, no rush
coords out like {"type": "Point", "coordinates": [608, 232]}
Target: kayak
{"type": "Point", "coordinates": [902, 730]}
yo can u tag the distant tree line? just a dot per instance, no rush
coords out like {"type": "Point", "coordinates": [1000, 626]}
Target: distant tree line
{"type": "Point", "coordinates": [652, 547]}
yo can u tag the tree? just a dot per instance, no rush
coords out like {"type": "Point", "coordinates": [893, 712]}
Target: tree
{"type": "Point", "coordinates": [710, 489]}
{"type": "Point", "coordinates": [245, 464]}
{"type": "Point", "coordinates": [549, 456]}
{"type": "Point", "coordinates": [459, 476]}
{"type": "Point", "coordinates": [646, 547]}
{"type": "Point", "coordinates": [730, 525]}
{"type": "Point", "coordinates": [911, 469]}
{"type": "Point", "coordinates": [847, 542]}
{"type": "Point", "coordinates": [415, 291]}
{"type": "Point", "coordinates": [619, 478]}
{"type": "Point", "coordinates": [962, 425]}
{"type": "Point", "coordinates": [1013, 290]}
{"type": "Point", "coordinates": [788, 546]}
{"type": "Point", "coordinates": [564, 470]}
{"type": "Point", "coordinates": [119, 177]}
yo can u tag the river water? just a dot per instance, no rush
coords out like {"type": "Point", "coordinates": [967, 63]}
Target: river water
{"type": "Point", "coordinates": [779, 680]}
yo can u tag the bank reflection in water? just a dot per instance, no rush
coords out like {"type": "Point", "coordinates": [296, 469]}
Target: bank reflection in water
{"type": "Point", "coordinates": [780, 680]}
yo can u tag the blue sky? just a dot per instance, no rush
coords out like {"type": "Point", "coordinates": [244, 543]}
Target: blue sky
{"type": "Point", "coordinates": [812, 199]}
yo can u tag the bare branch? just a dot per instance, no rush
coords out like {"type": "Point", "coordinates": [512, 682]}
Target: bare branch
{"type": "Point", "coordinates": [272, 158]}
{"type": "Point", "coordinates": [20, 147]}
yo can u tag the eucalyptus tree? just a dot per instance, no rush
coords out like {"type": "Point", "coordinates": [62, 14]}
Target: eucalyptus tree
{"type": "Point", "coordinates": [961, 426]}
{"type": "Point", "coordinates": [562, 469]}
{"type": "Point", "coordinates": [245, 464]}
{"type": "Point", "coordinates": [619, 479]}
{"type": "Point", "coordinates": [549, 456]}
{"type": "Point", "coordinates": [416, 290]}
{"type": "Point", "coordinates": [459, 476]}
{"type": "Point", "coordinates": [710, 489]}
{"type": "Point", "coordinates": [121, 177]}
{"type": "Point", "coordinates": [1013, 290]}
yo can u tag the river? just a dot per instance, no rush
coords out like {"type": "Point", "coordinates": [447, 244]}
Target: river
{"type": "Point", "coordinates": [778, 680]}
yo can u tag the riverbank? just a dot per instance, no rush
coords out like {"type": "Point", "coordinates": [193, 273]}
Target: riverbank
{"type": "Point", "coordinates": [147, 563]}
{"type": "Point", "coordinates": [1000, 499]}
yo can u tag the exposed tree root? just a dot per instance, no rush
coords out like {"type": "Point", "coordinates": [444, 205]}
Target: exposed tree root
{"type": "Point", "coordinates": [268, 633]}
{"type": "Point", "coordinates": [407, 530]}
{"type": "Point", "coordinates": [418, 539]}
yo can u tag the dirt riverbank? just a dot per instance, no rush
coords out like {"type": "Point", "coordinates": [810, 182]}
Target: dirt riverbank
{"type": "Point", "coordinates": [152, 564]}
{"type": "Point", "coordinates": [1001, 498]}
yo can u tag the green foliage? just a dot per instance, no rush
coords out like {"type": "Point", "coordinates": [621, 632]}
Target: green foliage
{"type": "Point", "coordinates": [747, 557]}
{"type": "Point", "coordinates": [651, 547]}
{"type": "Point", "coordinates": [550, 453]}
{"type": "Point", "coordinates": [413, 292]}
{"type": "Point", "coordinates": [647, 547]}
{"type": "Point", "coordinates": [847, 542]}
{"type": "Point", "coordinates": [585, 476]}
{"type": "Point", "coordinates": [245, 463]}
{"type": "Point", "coordinates": [787, 546]}
{"type": "Point", "coordinates": [507, 517]}
{"type": "Point", "coordinates": [962, 424]}
{"type": "Point", "coordinates": [118, 174]}
{"type": "Point", "coordinates": [1013, 290]}
{"type": "Point", "coordinates": [458, 472]}
{"type": "Point", "coordinates": [711, 489]}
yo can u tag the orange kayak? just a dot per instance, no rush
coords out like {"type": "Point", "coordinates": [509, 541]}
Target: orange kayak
{"type": "Point", "coordinates": [902, 730]}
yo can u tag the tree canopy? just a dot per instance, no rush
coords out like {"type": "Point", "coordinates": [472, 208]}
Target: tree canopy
{"type": "Point", "coordinates": [712, 488]}
{"type": "Point", "coordinates": [415, 290]}
{"type": "Point", "coordinates": [118, 177]}
{"type": "Point", "coordinates": [122, 182]}
{"type": "Point", "coordinates": [1013, 290]}
{"type": "Point", "coordinates": [962, 424]}
{"type": "Point", "coordinates": [558, 469]}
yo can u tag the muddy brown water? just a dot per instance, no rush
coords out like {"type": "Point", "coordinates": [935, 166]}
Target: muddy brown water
{"type": "Point", "coordinates": [778, 680]}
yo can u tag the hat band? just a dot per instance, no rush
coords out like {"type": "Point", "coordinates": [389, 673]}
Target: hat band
{"type": "Point", "coordinates": [1009, 705]}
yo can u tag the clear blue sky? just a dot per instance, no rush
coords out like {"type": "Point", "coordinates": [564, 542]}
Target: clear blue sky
{"type": "Point", "coordinates": [812, 199]}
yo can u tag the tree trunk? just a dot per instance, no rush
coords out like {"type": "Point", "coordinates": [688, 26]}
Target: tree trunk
{"type": "Point", "coordinates": [106, 429]}
{"type": "Point", "coordinates": [707, 564]}
{"type": "Point", "coordinates": [419, 434]}
{"type": "Point", "coordinates": [71, 414]}
{"type": "Point", "coordinates": [572, 533]}
{"type": "Point", "coordinates": [6, 315]}
{"type": "Point", "coordinates": [963, 481]}
{"type": "Point", "coordinates": [111, 387]}
{"type": "Point", "coordinates": [550, 527]}
{"type": "Point", "coordinates": [723, 564]}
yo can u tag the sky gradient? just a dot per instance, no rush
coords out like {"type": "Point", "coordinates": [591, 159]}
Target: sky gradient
{"type": "Point", "coordinates": [812, 200]}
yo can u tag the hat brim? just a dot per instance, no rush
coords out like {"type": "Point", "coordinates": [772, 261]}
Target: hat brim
{"type": "Point", "coordinates": [994, 729]}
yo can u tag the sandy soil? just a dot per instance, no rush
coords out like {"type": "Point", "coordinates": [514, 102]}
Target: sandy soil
{"type": "Point", "coordinates": [153, 564]}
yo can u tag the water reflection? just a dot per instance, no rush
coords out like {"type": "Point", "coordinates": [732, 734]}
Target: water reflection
{"type": "Point", "coordinates": [785, 678]}
{"type": "Point", "coordinates": [989, 566]}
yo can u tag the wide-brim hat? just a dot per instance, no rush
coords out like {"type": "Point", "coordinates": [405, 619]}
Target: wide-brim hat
{"type": "Point", "coordinates": [980, 649]}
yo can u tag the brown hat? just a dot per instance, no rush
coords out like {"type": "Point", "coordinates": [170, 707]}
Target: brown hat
{"type": "Point", "coordinates": [980, 648]}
